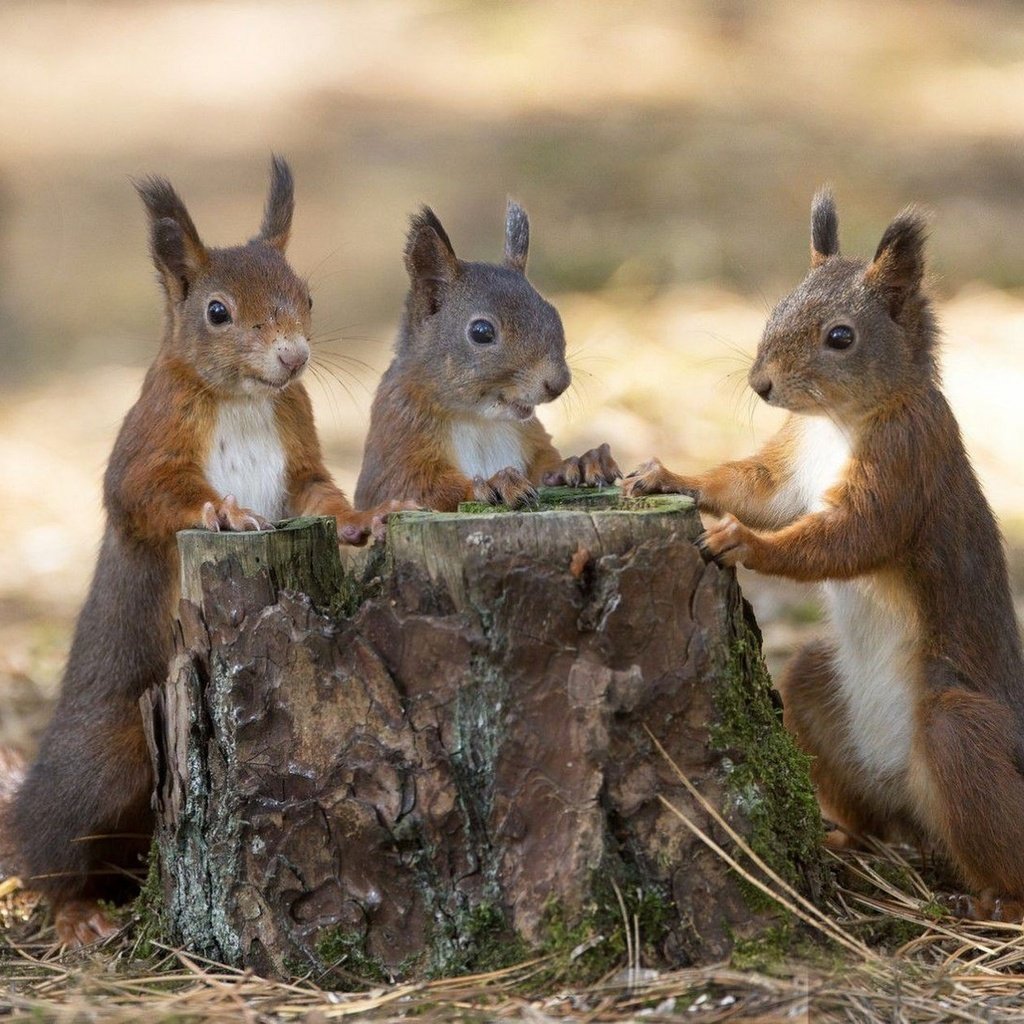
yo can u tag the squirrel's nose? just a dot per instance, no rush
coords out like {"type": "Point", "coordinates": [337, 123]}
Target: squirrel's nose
{"type": "Point", "coordinates": [554, 386]}
{"type": "Point", "coordinates": [293, 356]}
{"type": "Point", "coordinates": [762, 385]}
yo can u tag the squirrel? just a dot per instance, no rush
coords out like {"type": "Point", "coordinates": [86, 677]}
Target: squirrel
{"type": "Point", "coordinates": [221, 438]}
{"type": "Point", "coordinates": [478, 349]}
{"type": "Point", "coordinates": [914, 711]}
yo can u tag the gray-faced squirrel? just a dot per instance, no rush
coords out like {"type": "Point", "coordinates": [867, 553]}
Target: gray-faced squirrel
{"type": "Point", "coordinates": [453, 417]}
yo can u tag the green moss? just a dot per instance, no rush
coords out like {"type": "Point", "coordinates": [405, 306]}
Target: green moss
{"type": "Point", "coordinates": [479, 939]}
{"type": "Point", "coordinates": [148, 909]}
{"type": "Point", "coordinates": [768, 781]}
{"type": "Point", "coordinates": [886, 932]}
{"type": "Point", "coordinates": [589, 943]}
{"type": "Point", "coordinates": [585, 499]}
{"type": "Point", "coordinates": [764, 952]}
{"type": "Point", "coordinates": [481, 508]}
{"type": "Point", "coordinates": [584, 944]}
{"type": "Point", "coordinates": [359, 582]}
{"type": "Point", "coordinates": [343, 953]}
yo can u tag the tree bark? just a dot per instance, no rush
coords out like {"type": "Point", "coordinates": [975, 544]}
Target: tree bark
{"type": "Point", "coordinates": [442, 758]}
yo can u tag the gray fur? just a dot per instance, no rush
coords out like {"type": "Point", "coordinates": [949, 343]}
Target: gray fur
{"type": "Point", "coordinates": [824, 226]}
{"type": "Point", "coordinates": [517, 237]}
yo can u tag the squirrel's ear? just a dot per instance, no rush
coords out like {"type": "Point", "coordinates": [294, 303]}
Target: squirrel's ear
{"type": "Point", "coordinates": [824, 227]}
{"type": "Point", "coordinates": [898, 266]}
{"type": "Point", "coordinates": [429, 258]}
{"type": "Point", "coordinates": [277, 214]}
{"type": "Point", "coordinates": [174, 243]}
{"type": "Point", "coordinates": [517, 237]}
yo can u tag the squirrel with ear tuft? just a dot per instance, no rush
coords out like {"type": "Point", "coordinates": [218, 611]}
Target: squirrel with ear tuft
{"type": "Point", "coordinates": [914, 709]}
{"type": "Point", "coordinates": [221, 438]}
{"type": "Point", "coordinates": [453, 417]}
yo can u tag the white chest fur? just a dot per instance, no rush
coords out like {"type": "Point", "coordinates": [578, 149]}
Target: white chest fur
{"type": "Point", "coordinates": [481, 447]}
{"type": "Point", "coordinates": [875, 625]}
{"type": "Point", "coordinates": [821, 454]}
{"type": "Point", "coordinates": [246, 457]}
{"type": "Point", "coordinates": [873, 617]}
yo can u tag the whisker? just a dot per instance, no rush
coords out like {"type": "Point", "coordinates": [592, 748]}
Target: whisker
{"type": "Point", "coordinates": [335, 375]}
{"type": "Point", "coordinates": [332, 402]}
{"type": "Point", "coordinates": [345, 358]}
{"type": "Point", "coordinates": [341, 368]}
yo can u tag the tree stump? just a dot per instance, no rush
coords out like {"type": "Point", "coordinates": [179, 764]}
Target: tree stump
{"type": "Point", "coordinates": [441, 758]}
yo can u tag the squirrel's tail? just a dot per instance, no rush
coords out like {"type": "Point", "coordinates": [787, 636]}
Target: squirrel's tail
{"type": "Point", "coordinates": [13, 768]}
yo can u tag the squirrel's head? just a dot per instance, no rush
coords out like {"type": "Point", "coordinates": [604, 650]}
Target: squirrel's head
{"type": "Point", "coordinates": [239, 316]}
{"type": "Point", "coordinates": [479, 331]}
{"type": "Point", "coordinates": [853, 333]}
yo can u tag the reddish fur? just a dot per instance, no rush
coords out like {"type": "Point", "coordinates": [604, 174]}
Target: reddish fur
{"type": "Point", "coordinates": [93, 775]}
{"type": "Point", "coordinates": [909, 511]}
{"type": "Point", "coordinates": [311, 490]}
{"type": "Point", "coordinates": [744, 487]}
{"type": "Point", "coordinates": [406, 454]}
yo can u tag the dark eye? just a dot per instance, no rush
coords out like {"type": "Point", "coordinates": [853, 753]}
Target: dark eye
{"type": "Point", "coordinates": [839, 337]}
{"type": "Point", "coordinates": [310, 301]}
{"type": "Point", "coordinates": [481, 331]}
{"type": "Point", "coordinates": [217, 313]}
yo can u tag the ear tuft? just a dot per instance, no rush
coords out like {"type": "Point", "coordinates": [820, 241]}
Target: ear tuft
{"type": "Point", "coordinates": [175, 245]}
{"type": "Point", "coordinates": [824, 227]}
{"type": "Point", "coordinates": [429, 256]}
{"type": "Point", "coordinates": [277, 214]}
{"type": "Point", "coordinates": [898, 267]}
{"type": "Point", "coordinates": [517, 237]}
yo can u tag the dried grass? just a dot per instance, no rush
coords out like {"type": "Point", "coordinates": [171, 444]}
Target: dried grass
{"type": "Point", "coordinates": [851, 968]}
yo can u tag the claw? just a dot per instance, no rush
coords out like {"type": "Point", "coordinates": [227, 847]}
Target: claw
{"type": "Point", "coordinates": [594, 468]}
{"type": "Point", "coordinates": [507, 487]}
{"type": "Point", "coordinates": [229, 515]}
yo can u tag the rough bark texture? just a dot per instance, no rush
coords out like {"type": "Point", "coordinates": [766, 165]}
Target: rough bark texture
{"type": "Point", "coordinates": [452, 764]}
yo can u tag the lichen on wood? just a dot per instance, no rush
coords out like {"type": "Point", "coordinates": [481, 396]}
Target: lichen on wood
{"type": "Point", "coordinates": [454, 761]}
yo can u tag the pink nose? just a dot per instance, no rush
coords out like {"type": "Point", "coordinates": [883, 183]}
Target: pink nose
{"type": "Point", "coordinates": [292, 359]}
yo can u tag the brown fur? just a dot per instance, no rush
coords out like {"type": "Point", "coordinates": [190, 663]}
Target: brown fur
{"type": "Point", "coordinates": [907, 514]}
{"type": "Point", "coordinates": [440, 375]}
{"type": "Point", "coordinates": [82, 818]}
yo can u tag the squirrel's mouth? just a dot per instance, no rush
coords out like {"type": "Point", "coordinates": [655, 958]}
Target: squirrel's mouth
{"type": "Point", "coordinates": [520, 410]}
{"type": "Point", "coordinates": [274, 385]}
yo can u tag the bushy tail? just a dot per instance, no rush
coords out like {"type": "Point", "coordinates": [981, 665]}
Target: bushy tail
{"type": "Point", "coordinates": [13, 768]}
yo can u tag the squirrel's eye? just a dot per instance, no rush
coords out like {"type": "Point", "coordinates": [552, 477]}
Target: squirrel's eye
{"type": "Point", "coordinates": [217, 313]}
{"type": "Point", "coordinates": [841, 336]}
{"type": "Point", "coordinates": [310, 301]}
{"type": "Point", "coordinates": [481, 331]}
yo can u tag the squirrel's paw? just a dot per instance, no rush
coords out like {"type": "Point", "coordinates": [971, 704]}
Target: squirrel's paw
{"type": "Point", "coordinates": [984, 907]}
{"type": "Point", "coordinates": [229, 515]}
{"type": "Point", "coordinates": [727, 543]}
{"type": "Point", "coordinates": [652, 477]}
{"type": "Point", "coordinates": [357, 528]}
{"type": "Point", "coordinates": [839, 839]}
{"type": "Point", "coordinates": [81, 923]}
{"type": "Point", "coordinates": [595, 468]}
{"type": "Point", "coordinates": [507, 487]}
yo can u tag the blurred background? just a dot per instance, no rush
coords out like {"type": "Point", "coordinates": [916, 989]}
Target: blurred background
{"type": "Point", "coordinates": [667, 153]}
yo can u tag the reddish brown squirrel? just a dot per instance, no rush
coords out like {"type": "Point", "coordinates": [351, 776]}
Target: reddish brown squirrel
{"type": "Point", "coordinates": [914, 710]}
{"type": "Point", "coordinates": [221, 437]}
{"type": "Point", "coordinates": [453, 418]}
